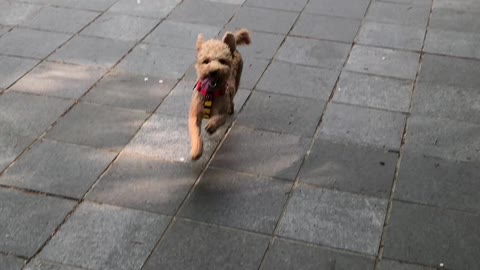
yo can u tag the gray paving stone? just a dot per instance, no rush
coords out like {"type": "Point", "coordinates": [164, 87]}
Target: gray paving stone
{"type": "Point", "coordinates": [120, 27]}
{"type": "Point", "coordinates": [384, 62]}
{"type": "Point", "coordinates": [35, 44]}
{"type": "Point", "coordinates": [13, 13]}
{"type": "Point", "coordinates": [449, 139]}
{"type": "Point", "coordinates": [105, 237]}
{"type": "Point", "coordinates": [237, 200]}
{"type": "Point", "coordinates": [341, 8]}
{"type": "Point", "coordinates": [153, 9]}
{"type": "Point", "coordinates": [97, 5]}
{"type": "Point", "coordinates": [386, 264]}
{"type": "Point", "coordinates": [301, 81]}
{"type": "Point", "coordinates": [453, 43]}
{"type": "Point", "coordinates": [181, 35]}
{"type": "Point", "coordinates": [454, 20]}
{"type": "Point", "coordinates": [4, 29]}
{"type": "Point", "coordinates": [189, 245]}
{"type": "Point", "coordinates": [267, 20]}
{"type": "Point", "coordinates": [284, 114]}
{"type": "Point", "coordinates": [264, 45]}
{"type": "Point", "coordinates": [349, 167]}
{"type": "Point", "coordinates": [61, 19]}
{"type": "Point", "coordinates": [410, 2]}
{"type": "Point", "coordinates": [278, 4]}
{"type": "Point", "coordinates": [428, 236]}
{"type": "Point", "coordinates": [37, 264]}
{"type": "Point", "coordinates": [391, 36]}
{"type": "Point", "coordinates": [13, 68]}
{"type": "Point", "coordinates": [203, 12]}
{"type": "Point", "coordinates": [326, 27]}
{"type": "Point", "coordinates": [235, 2]}
{"type": "Point", "coordinates": [344, 123]}
{"type": "Point", "coordinates": [464, 5]}
{"type": "Point", "coordinates": [285, 255]}
{"type": "Point", "coordinates": [58, 168]}
{"type": "Point", "coordinates": [59, 80]}
{"type": "Point", "coordinates": [263, 153]}
{"type": "Point", "coordinates": [313, 52]}
{"type": "Point", "coordinates": [92, 51]}
{"type": "Point", "coordinates": [335, 219]}
{"type": "Point", "coordinates": [23, 234]}
{"type": "Point", "coordinates": [145, 183]}
{"type": "Point", "coordinates": [10, 263]}
{"type": "Point", "coordinates": [165, 62]}
{"type": "Point", "coordinates": [11, 146]}
{"type": "Point", "coordinates": [29, 115]}
{"type": "Point", "coordinates": [413, 15]}
{"type": "Point", "coordinates": [100, 127]}
{"type": "Point", "coordinates": [450, 70]}
{"type": "Point", "coordinates": [372, 91]}
{"type": "Point", "coordinates": [252, 71]}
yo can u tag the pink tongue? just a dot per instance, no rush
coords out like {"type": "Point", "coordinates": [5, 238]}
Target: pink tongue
{"type": "Point", "coordinates": [208, 83]}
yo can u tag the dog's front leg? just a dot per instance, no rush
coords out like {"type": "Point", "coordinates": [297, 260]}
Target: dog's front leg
{"type": "Point", "coordinates": [215, 122]}
{"type": "Point", "coordinates": [194, 124]}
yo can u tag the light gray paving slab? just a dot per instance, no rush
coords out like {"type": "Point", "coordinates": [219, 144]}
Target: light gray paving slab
{"type": "Point", "coordinates": [454, 20]}
{"type": "Point", "coordinates": [13, 68]}
{"type": "Point", "coordinates": [37, 264]}
{"type": "Point", "coordinates": [10, 263]}
{"type": "Point", "coordinates": [252, 71]}
{"type": "Point", "coordinates": [410, 2]}
{"type": "Point", "coordinates": [387, 264]}
{"type": "Point", "coordinates": [391, 36]}
{"type": "Point", "coordinates": [267, 20]}
{"type": "Point", "coordinates": [463, 5]}
{"type": "Point", "coordinates": [326, 27]}
{"type": "Point", "coordinates": [96, 5]}
{"type": "Point", "coordinates": [278, 4]}
{"type": "Point", "coordinates": [13, 13]}
{"type": "Point", "coordinates": [453, 43]}
{"type": "Point", "coordinates": [4, 29]}
{"type": "Point", "coordinates": [340, 8]}
{"type": "Point", "coordinates": [11, 146]}
{"type": "Point", "coordinates": [413, 15]}
{"type": "Point", "coordinates": [203, 12]}
{"type": "Point", "coordinates": [61, 19]}
{"type": "Point", "coordinates": [153, 9]}
{"type": "Point", "coordinates": [447, 70]}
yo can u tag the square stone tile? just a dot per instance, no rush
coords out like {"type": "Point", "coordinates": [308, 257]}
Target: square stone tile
{"type": "Point", "coordinates": [12, 68]}
{"type": "Point", "coordinates": [386, 264]}
{"type": "Point", "coordinates": [29, 115]}
{"type": "Point", "coordinates": [11, 146]}
{"type": "Point", "coordinates": [58, 168]}
{"type": "Point", "coordinates": [92, 51]}
{"type": "Point", "coordinates": [449, 139]}
{"type": "Point", "coordinates": [13, 13]}
{"type": "Point", "coordinates": [428, 236]}
{"type": "Point", "coordinates": [392, 13]}
{"type": "Point", "coordinates": [130, 91]}
{"type": "Point", "coordinates": [447, 19]}
{"type": "Point", "coordinates": [285, 255]}
{"type": "Point", "coordinates": [100, 127]}
{"type": "Point", "coordinates": [348, 167]}
{"type": "Point", "coordinates": [203, 12]}
{"type": "Point", "coordinates": [31, 43]}
{"type": "Point", "coordinates": [145, 183]}
{"type": "Point", "coordinates": [452, 43]}
{"type": "Point", "coordinates": [61, 19]}
{"type": "Point", "coordinates": [339, 8]}
{"type": "Point", "coordinates": [264, 45]}
{"type": "Point", "coordinates": [237, 200]}
{"type": "Point", "coordinates": [153, 9]}
{"type": "Point", "coordinates": [344, 123]}
{"type": "Point", "coordinates": [252, 71]}
{"type": "Point", "coordinates": [10, 263]}
{"type": "Point", "coordinates": [301, 81]}
{"type": "Point", "coordinates": [325, 27]}
{"type": "Point", "coordinates": [335, 219]}
{"type": "Point", "coordinates": [384, 62]}
{"type": "Point", "coordinates": [278, 4]}
{"type": "Point", "coordinates": [23, 234]}
{"type": "Point", "coordinates": [464, 5]}
{"type": "Point", "coordinates": [96, 5]}
{"type": "Point", "coordinates": [312, 52]}
{"type": "Point", "coordinates": [267, 20]}
{"type": "Point", "coordinates": [37, 264]}
{"type": "Point", "coordinates": [373, 91]}
{"type": "Point", "coordinates": [105, 237]}
{"type": "Point", "coordinates": [189, 245]}
{"type": "Point", "coordinates": [284, 114]}
{"type": "Point", "coordinates": [59, 80]}
{"type": "Point", "coordinates": [165, 62]}
{"type": "Point", "coordinates": [261, 152]}
{"type": "Point", "coordinates": [120, 27]}
{"type": "Point", "coordinates": [391, 36]}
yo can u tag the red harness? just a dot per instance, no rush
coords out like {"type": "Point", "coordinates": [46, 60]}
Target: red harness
{"type": "Point", "coordinates": [209, 93]}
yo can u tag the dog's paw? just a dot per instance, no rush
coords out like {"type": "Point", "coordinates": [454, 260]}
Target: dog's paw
{"type": "Point", "coordinates": [195, 156]}
{"type": "Point", "coordinates": [210, 129]}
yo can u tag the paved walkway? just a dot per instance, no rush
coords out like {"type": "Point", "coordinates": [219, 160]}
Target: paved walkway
{"type": "Point", "coordinates": [355, 144]}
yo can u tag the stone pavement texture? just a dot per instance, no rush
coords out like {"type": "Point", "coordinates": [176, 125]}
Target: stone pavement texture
{"type": "Point", "coordinates": [355, 143]}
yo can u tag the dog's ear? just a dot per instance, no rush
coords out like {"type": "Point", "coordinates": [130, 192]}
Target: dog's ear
{"type": "Point", "coordinates": [200, 41]}
{"type": "Point", "coordinates": [229, 39]}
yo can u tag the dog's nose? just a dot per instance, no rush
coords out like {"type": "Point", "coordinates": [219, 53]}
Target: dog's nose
{"type": "Point", "coordinates": [213, 73]}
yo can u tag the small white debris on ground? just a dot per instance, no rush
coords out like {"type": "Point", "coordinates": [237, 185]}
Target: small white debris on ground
{"type": "Point", "coordinates": [139, 1]}
{"type": "Point", "coordinates": [182, 159]}
{"type": "Point", "coordinates": [383, 58]}
{"type": "Point", "coordinates": [145, 79]}
{"type": "Point", "coordinates": [441, 264]}
{"type": "Point", "coordinates": [160, 81]}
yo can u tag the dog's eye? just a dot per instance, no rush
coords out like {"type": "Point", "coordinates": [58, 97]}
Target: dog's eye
{"type": "Point", "coordinates": [222, 61]}
{"type": "Point", "coordinates": [206, 61]}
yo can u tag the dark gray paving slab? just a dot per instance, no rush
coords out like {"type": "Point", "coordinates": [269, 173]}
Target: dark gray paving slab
{"type": "Point", "coordinates": [61, 19]}
{"type": "Point", "coordinates": [278, 4]}
{"type": "Point", "coordinates": [153, 9]}
{"type": "Point", "coordinates": [11, 146]}
{"type": "Point", "coordinates": [450, 70]}
{"type": "Point", "coordinates": [349, 167]}
{"type": "Point", "coordinates": [385, 62]}
{"type": "Point", "coordinates": [10, 263]}
{"type": "Point", "coordinates": [37, 264]}
{"type": "Point", "coordinates": [203, 12]}
{"type": "Point", "coordinates": [252, 71]}
{"type": "Point", "coordinates": [285, 255]}
{"type": "Point", "coordinates": [284, 114]}
{"type": "Point", "coordinates": [79, 50]}
{"type": "Point", "coordinates": [335, 219]}
{"type": "Point", "coordinates": [13, 68]}
{"type": "Point", "coordinates": [326, 27]}
{"type": "Point", "coordinates": [23, 234]}
{"type": "Point", "coordinates": [454, 20]}
{"type": "Point", "coordinates": [386, 264]}
{"type": "Point", "coordinates": [264, 45]}
{"type": "Point", "coordinates": [145, 183]}
{"type": "Point", "coordinates": [105, 237]}
{"type": "Point", "coordinates": [97, 5]}
{"type": "Point", "coordinates": [391, 36]}
{"type": "Point", "coordinates": [35, 44]}
{"type": "Point", "coordinates": [430, 236]}
{"type": "Point", "coordinates": [59, 80]}
{"type": "Point", "coordinates": [13, 13]}
{"type": "Point", "coordinates": [237, 200]}
{"type": "Point", "coordinates": [341, 8]}
{"type": "Point", "coordinates": [344, 123]}
{"type": "Point", "coordinates": [413, 15]}
{"type": "Point", "coordinates": [449, 139]}
{"type": "Point", "coordinates": [260, 19]}
{"type": "Point", "coordinates": [100, 127]}
{"type": "Point", "coordinates": [58, 168]}
{"type": "Point", "coordinates": [295, 80]}
{"type": "Point", "coordinates": [373, 91]}
{"type": "Point", "coordinates": [453, 43]}
{"type": "Point", "coordinates": [261, 152]}
{"type": "Point", "coordinates": [312, 52]}
{"type": "Point", "coordinates": [189, 245]}
{"type": "Point", "coordinates": [465, 5]}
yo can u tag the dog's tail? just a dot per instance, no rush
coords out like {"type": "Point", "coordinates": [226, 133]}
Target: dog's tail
{"type": "Point", "coordinates": [242, 37]}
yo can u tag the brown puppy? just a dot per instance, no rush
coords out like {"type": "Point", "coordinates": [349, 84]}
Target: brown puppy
{"type": "Point", "coordinates": [219, 68]}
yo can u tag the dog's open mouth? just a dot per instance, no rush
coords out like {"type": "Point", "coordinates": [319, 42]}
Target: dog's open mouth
{"type": "Point", "coordinates": [210, 83]}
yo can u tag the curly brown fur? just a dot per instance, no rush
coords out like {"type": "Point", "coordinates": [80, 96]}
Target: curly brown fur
{"type": "Point", "coordinates": [221, 59]}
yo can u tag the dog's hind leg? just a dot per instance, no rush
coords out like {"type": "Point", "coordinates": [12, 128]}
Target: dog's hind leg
{"type": "Point", "coordinates": [194, 123]}
{"type": "Point", "coordinates": [215, 122]}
